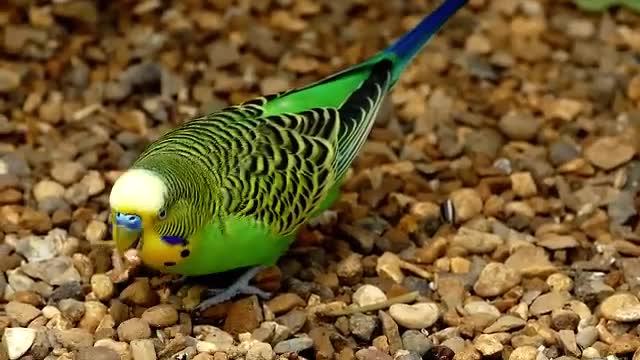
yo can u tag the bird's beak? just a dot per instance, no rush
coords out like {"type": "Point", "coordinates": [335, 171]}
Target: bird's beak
{"type": "Point", "coordinates": [127, 230]}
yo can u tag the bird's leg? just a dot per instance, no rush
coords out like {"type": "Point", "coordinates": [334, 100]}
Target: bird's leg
{"type": "Point", "coordinates": [239, 287]}
{"type": "Point", "coordinates": [178, 283]}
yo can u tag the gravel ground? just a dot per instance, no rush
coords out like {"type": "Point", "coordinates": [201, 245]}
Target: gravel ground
{"type": "Point", "coordinates": [523, 113]}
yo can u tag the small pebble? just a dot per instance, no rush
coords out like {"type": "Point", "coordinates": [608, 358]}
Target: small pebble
{"type": "Point", "coordinates": [623, 307]}
{"type": "Point", "coordinates": [284, 302]}
{"type": "Point", "coordinates": [523, 184]}
{"type": "Point", "coordinates": [74, 339]}
{"type": "Point", "coordinates": [496, 279]}
{"type": "Point", "coordinates": [563, 319]}
{"type": "Point", "coordinates": [18, 341]}
{"type": "Point", "coordinates": [133, 329]}
{"type": "Point", "coordinates": [388, 266]}
{"type": "Point", "coordinates": [294, 345]}
{"type": "Point", "coordinates": [467, 202]}
{"type": "Point", "coordinates": [143, 349]}
{"type": "Point", "coordinates": [362, 326]}
{"type": "Point", "coordinates": [593, 353]}
{"type": "Point", "coordinates": [72, 309]}
{"type": "Point", "coordinates": [416, 341]}
{"type": "Point", "coordinates": [568, 342]}
{"type": "Point", "coordinates": [96, 231]}
{"type": "Point", "coordinates": [481, 307]}
{"type": "Point", "coordinates": [260, 351]}
{"type": "Point", "coordinates": [505, 323]}
{"type": "Point", "coordinates": [46, 189]}
{"type": "Point", "coordinates": [416, 316]}
{"type": "Point", "coordinates": [102, 286]}
{"type": "Point", "coordinates": [519, 125]}
{"type": "Point", "coordinates": [368, 295]}
{"type": "Point", "coordinates": [140, 293]}
{"type": "Point", "coordinates": [609, 152]}
{"type": "Point", "coordinates": [244, 315]}
{"type": "Point", "coordinates": [560, 282]}
{"type": "Point", "coordinates": [524, 353]}
{"type": "Point", "coordinates": [121, 348]}
{"type": "Point", "coordinates": [587, 336]}
{"type": "Point", "coordinates": [530, 261]}
{"type": "Point", "coordinates": [97, 353]}
{"type": "Point", "coordinates": [488, 344]}
{"type": "Point", "coordinates": [162, 315]}
{"type": "Point", "coordinates": [68, 172]}
{"type": "Point", "coordinates": [545, 303]}
{"type": "Point", "coordinates": [22, 313]}
{"type": "Point", "coordinates": [350, 269]}
{"type": "Point", "coordinates": [94, 312]}
{"type": "Point", "coordinates": [214, 339]}
{"type": "Point", "coordinates": [372, 353]}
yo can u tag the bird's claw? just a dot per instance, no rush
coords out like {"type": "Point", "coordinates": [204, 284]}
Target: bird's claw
{"type": "Point", "coordinates": [239, 287]}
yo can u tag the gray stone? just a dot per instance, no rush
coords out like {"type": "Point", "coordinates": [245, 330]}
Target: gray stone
{"type": "Point", "coordinates": [416, 341]}
{"type": "Point", "coordinates": [293, 345]}
{"type": "Point", "coordinates": [362, 325]}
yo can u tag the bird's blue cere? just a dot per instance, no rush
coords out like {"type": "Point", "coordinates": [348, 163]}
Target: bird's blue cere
{"type": "Point", "coordinates": [174, 240]}
{"type": "Point", "coordinates": [129, 222]}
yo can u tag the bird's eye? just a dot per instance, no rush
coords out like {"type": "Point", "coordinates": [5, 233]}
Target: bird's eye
{"type": "Point", "coordinates": [162, 214]}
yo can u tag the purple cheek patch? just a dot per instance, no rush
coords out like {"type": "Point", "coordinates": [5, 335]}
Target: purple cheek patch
{"type": "Point", "coordinates": [174, 240]}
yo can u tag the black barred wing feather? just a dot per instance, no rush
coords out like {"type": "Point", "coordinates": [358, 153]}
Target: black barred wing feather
{"type": "Point", "coordinates": [293, 159]}
{"type": "Point", "coordinates": [284, 169]}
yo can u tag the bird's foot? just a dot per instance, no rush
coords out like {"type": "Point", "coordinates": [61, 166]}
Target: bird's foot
{"type": "Point", "coordinates": [178, 282]}
{"type": "Point", "coordinates": [239, 287]}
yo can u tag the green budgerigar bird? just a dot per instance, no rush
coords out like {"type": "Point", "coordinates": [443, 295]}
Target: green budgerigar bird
{"type": "Point", "coordinates": [230, 190]}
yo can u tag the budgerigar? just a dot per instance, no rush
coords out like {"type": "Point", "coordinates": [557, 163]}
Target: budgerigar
{"type": "Point", "coordinates": [231, 189]}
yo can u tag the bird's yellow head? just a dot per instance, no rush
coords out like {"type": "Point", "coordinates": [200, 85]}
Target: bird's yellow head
{"type": "Point", "coordinates": [139, 213]}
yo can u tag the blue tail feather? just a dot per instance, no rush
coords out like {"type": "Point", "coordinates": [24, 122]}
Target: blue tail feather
{"type": "Point", "coordinates": [414, 40]}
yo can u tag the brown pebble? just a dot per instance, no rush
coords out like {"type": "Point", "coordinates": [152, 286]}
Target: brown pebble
{"type": "Point", "coordinates": [139, 293]}
{"type": "Point", "coordinates": [564, 319]}
{"type": "Point", "coordinates": [97, 353]}
{"type": "Point", "coordinates": [72, 309]}
{"type": "Point", "coordinates": [21, 312]}
{"type": "Point", "coordinates": [143, 349]}
{"type": "Point", "coordinates": [284, 302]}
{"type": "Point", "coordinates": [390, 330]}
{"type": "Point", "coordinates": [94, 312]}
{"type": "Point", "coordinates": [244, 316]}
{"type": "Point", "coordinates": [74, 339]}
{"type": "Point", "coordinates": [322, 343]}
{"type": "Point", "coordinates": [496, 279]}
{"type": "Point", "coordinates": [28, 297]}
{"type": "Point", "coordinates": [119, 311]}
{"type": "Point", "coordinates": [205, 356]}
{"type": "Point", "coordinates": [350, 269]}
{"type": "Point", "coordinates": [162, 315]}
{"type": "Point", "coordinates": [372, 353]}
{"type": "Point", "coordinates": [133, 329]}
{"type": "Point", "coordinates": [102, 286]}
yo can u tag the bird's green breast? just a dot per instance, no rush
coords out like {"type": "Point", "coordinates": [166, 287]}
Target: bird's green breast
{"type": "Point", "coordinates": [232, 243]}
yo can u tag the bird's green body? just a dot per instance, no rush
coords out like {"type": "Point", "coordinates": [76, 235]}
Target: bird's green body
{"type": "Point", "coordinates": [236, 185]}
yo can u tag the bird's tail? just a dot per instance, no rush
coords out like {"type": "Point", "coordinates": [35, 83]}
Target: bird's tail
{"type": "Point", "coordinates": [403, 50]}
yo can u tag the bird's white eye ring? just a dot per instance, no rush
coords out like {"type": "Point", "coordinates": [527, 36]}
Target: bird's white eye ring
{"type": "Point", "coordinates": [162, 214]}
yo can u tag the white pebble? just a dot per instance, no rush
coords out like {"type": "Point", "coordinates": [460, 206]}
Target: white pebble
{"type": "Point", "coordinates": [18, 341]}
{"type": "Point", "coordinates": [416, 316]}
{"type": "Point", "coordinates": [368, 295]}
